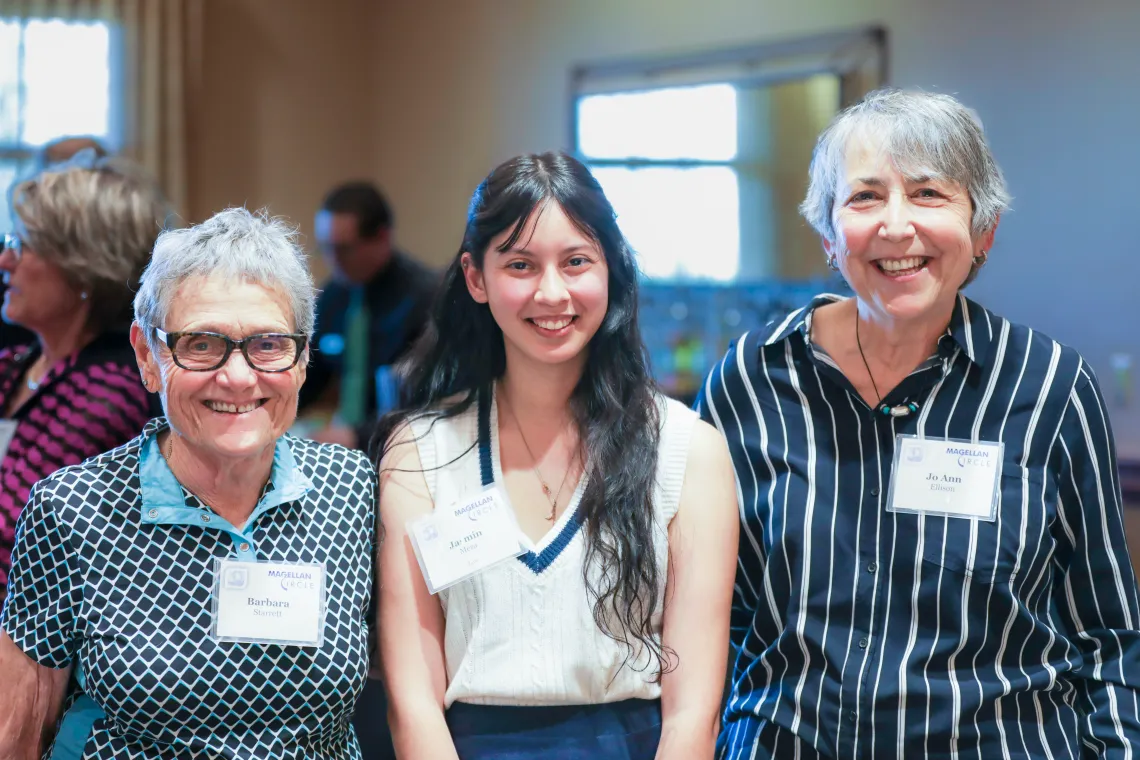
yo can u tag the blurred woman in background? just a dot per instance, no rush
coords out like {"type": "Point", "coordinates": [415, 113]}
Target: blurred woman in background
{"type": "Point", "coordinates": [83, 233]}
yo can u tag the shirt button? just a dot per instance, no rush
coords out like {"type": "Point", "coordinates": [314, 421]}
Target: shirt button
{"type": "Point", "coordinates": [852, 715]}
{"type": "Point", "coordinates": [874, 491]}
{"type": "Point", "coordinates": [862, 643]}
{"type": "Point", "coordinates": [872, 567]}
{"type": "Point", "coordinates": [152, 514]}
{"type": "Point", "coordinates": [243, 546]}
{"type": "Point", "coordinates": [205, 518]}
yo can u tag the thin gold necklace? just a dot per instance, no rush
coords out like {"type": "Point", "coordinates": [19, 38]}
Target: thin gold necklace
{"type": "Point", "coordinates": [534, 465]}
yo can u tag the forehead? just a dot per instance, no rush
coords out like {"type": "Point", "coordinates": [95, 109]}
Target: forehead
{"type": "Point", "coordinates": [548, 228]}
{"type": "Point", "coordinates": [337, 227]}
{"type": "Point", "coordinates": [867, 154]}
{"type": "Point", "coordinates": [233, 305]}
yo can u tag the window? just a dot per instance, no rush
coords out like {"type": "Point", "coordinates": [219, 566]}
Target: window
{"type": "Point", "coordinates": [705, 157]}
{"type": "Point", "coordinates": [55, 80]}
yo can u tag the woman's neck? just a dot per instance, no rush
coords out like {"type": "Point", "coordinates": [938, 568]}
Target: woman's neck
{"type": "Point", "coordinates": [904, 344]}
{"type": "Point", "coordinates": [229, 486]}
{"type": "Point", "coordinates": [538, 391]}
{"type": "Point", "coordinates": [61, 340]}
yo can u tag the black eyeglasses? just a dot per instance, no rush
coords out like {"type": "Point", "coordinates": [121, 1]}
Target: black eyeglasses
{"type": "Point", "coordinates": [205, 351]}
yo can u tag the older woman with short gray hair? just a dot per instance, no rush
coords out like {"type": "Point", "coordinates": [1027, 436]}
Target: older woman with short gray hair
{"type": "Point", "coordinates": [933, 558]}
{"type": "Point", "coordinates": [208, 583]}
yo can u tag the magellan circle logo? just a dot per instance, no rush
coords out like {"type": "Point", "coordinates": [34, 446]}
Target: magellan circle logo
{"type": "Point", "coordinates": [914, 453]}
{"type": "Point", "coordinates": [236, 578]}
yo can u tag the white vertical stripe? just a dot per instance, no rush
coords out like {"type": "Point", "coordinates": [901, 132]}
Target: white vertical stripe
{"type": "Point", "coordinates": [809, 516]}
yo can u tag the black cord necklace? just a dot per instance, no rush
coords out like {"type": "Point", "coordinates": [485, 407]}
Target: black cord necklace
{"type": "Point", "coordinates": [901, 410]}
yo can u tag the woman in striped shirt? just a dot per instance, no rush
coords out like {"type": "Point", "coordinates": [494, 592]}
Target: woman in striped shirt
{"type": "Point", "coordinates": [932, 554]}
{"type": "Point", "coordinates": [84, 232]}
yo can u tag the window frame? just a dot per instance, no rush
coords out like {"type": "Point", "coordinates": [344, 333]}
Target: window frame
{"type": "Point", "coordinates": [848, 55]}
{"type": "Point", "coordinates": [21, 153]}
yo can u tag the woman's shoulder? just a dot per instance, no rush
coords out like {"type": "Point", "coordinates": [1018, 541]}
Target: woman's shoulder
{"type": "Point", "coordinates": [993, 340]}
{"type": "Point", "coordinates": [324, 459]}
{"type": "Point", "coordinates": [105, 481]}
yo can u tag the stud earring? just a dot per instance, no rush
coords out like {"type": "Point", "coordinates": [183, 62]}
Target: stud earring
{"type": "Point", "coordinates": [83, 295]}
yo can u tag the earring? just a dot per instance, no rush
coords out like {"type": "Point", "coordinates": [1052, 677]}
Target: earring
{"type": "Point", "coordinates": [83, 295]}
{"type": "Point", "coordinates": [981, 258]}
{"type": "Point", "coordinates": [832, 264]}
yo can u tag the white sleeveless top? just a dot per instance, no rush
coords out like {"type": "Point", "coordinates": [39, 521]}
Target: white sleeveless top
{"type": "Point", "coordinates": [523, 632]}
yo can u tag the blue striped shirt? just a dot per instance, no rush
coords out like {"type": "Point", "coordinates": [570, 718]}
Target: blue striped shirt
{"type": "Point", "coordinates": [864, 633]}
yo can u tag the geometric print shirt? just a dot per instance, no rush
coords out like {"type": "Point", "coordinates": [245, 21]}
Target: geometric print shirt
{"type": "Point", "coordinates": [861, 632]}
{"type": "Point", "coordinates": [113, 573]}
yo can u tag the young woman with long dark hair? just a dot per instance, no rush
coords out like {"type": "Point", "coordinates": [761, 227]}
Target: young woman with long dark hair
{"type": "Point", "coordinates": [608, 637]}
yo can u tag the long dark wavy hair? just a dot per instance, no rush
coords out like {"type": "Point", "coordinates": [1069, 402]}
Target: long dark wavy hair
{"type": "Point", "coordinates": [613, 405]}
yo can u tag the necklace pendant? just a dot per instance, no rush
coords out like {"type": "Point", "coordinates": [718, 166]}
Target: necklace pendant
{"type": "Point", "coordinates": [546, 490]}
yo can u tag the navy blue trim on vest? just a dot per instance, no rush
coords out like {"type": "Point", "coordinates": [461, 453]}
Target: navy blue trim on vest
{"type": "Point", "coordinates": [536, 562]}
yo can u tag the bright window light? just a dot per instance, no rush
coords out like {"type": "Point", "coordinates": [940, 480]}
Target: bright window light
{"type": "Point", "coordinates": [682, 222]}
{"type": "Point", "coordinates": [67, 80]}
{"type": "Point", "coordinates": [670, 123]}
{"type": "Point", "coordinates": [55, 81]}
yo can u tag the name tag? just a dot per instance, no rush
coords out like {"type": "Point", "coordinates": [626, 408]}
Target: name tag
{"type": "Point", "coordinates": [7, 432]}
{"type": "Point", "coordinates": [269, 603]}
{"type": "Point", "coordinates": [945, 477]}
{"type": "Point", "coordinates": [456, 542]}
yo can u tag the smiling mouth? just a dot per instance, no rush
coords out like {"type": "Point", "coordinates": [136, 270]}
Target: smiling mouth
{"type": "Point", "coordinates": [902, 267]}
{"type": "Point", "coordinates": [224, 408]}
{"type": "Point", "coordinates": [553, 323]}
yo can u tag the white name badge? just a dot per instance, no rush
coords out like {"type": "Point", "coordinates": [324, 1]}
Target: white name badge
{"type": "Point", "coordinates": [945, 476]}
{"type": "Point", "coordinates": [456, 542]}
{"type": "Point", "coordinates": [269, 603]}
{"type": "Point", "coordinates": [7, 432]}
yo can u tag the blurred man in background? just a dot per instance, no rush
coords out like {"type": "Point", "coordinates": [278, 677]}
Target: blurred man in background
{"type": "Point", "coordinates": [368, 315]}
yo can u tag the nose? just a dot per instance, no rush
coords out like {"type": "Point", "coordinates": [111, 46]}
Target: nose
{"type": "Point", "coordinates": [236, 372]}
{"type": "Point", "coordinates": [7, 260]}
{"type": "Point", "coordinates": [897, 224]}
{"type": "Point", "coordinates": [551, 288]}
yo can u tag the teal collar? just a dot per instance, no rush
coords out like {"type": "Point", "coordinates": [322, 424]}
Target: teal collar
{"type": "Point", "coordinates": [164, 503]}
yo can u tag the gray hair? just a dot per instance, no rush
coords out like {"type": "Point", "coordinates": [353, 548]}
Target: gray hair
{"type": "Point", "coordinates": [97, 220]}
{"type": "Point", "coordinates": [236, 245]}
{"type": "Point", "coordinates": [923, 134]}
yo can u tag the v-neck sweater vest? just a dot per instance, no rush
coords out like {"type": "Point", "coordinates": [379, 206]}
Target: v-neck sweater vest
{"type": "Point", "coordinates": [523, 632]}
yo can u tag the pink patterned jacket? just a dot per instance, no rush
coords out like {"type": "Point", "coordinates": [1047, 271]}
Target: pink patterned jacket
{"type": "Point", "coordinates": [88, 404]}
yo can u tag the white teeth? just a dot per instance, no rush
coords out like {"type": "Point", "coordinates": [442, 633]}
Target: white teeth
{"type": "Point", "coordinates": [553, 324]}
{"type": "Point", "coordinates": [218, 406]}
{"type": "Point", "coordinates": [898, 265]}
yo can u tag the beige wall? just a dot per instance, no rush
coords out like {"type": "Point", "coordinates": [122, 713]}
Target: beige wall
{"type": "Point", "coordinates": [285, 109]}
{"type": "Point", "coordinates": [463, 84]}
{"type": "Point", "coordinates": [426, 96]}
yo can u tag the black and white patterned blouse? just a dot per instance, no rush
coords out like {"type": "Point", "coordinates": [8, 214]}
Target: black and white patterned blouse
{"type": "Point", "coordinates": [113, 572]}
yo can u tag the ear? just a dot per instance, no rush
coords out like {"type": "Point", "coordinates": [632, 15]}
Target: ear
{"type": "Point", "coordinates": [473, 275]}
{"type": "Point", "coordinates": [986, 240]}
{"type": "Point", "coordinates": [828, 246]}
{"type": "Point", "coordinates": [145, 358]}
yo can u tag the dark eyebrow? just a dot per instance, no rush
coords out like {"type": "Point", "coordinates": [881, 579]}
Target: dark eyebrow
{"type": "Point", "coordinates": [870, 181]}
{"type": "Point", "coordinates": [570, 249]}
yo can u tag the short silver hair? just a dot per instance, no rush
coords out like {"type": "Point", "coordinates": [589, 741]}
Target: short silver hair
{"type": "Point", "coordinates": [236, 245]}
{"type": "Point", "coordinates": [923, 134]}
